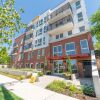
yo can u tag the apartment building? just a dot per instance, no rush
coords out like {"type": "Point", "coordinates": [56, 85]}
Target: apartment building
{"type": "Point", "coordinates": [56, 35]}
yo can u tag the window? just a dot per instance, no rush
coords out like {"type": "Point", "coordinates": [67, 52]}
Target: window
{"type": "Point", "coordinates": [45, 29]}
{"type": "Point", "coordinates": [45, 19]}
{"type": "Point", "coordinates": [37, 24]}
{"type": "Point", "coordinates": [43, 40]}
{"type": "Point", "coordinates": [29, 36]}
{"type": "Point", "coordinates": [41, 22]}
{"type": "Point", "coordinates": [28, 46]}
{"type": "Point", "coordinates": [57, 36]}
{"type": "Point", "coordinates": [39, 52]}
{"type": "Point", "coordinates": [82, 28]}
{"type": "Point", "coordinates": [78, 5]}
{"type": "Point", "coordinates": [29, 56]}
{"type": "Point", "coordinates": [69, 33]}
{"type": "Point", "coordinates": [61, 35]}
{"type": "Point", "coordinates": [80, 16]}
{"type": "Point", "coordinates": [40, 31]}
{"type": "Point", "coordinates": [22, 56]}
{"type": "Point", "coordinates": [57, 50]}
{"type": "Point", "coordinates": [84, 46]}
{"type": "Point", "coordinates": [43, 52]}
{"type": "Point", "coordinates": [70, 49]}
{"type": "Point", "coordinates": [21, 48]}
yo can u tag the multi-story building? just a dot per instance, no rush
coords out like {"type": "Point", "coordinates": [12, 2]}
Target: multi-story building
{"type": "Point", "coordinates": [56, 35]}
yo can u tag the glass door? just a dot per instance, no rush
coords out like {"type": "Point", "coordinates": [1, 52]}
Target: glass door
{"type": "Point", "coordinates": [58, 67]}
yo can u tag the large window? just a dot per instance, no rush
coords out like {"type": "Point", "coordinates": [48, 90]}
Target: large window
{"type": "Point", "coordinates": [80, 16]}
{"type": "Point", "coordinates": [82, 28]}
{"type": "Point", "coordinates": [57, 50]}
{"type": "Point", "coordinates": [84, 46]}
{"type": "Point", "coordinates": [78, 5]}
{"type": "Point", "coordinates": [70, 49]}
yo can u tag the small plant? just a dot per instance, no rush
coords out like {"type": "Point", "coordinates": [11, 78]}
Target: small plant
{"type": "Point", "coordinates": [40, 74]}
{"type": "Point", "coordinates": [88, 90]}
{"type": "Point", "coordinates": [57, 86]}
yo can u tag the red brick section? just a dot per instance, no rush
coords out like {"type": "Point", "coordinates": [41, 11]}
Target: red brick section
{"type": "Point", "coordinates": [76, 39]}
{"type": "Point", "coordinates": [18, 42]}
{"type": "Point", "coordinates": [49, 53]}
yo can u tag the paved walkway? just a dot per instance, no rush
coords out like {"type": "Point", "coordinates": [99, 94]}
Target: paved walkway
{"type": "Point", "coordinates": [45, 80]}
{"type": "Point", "coordinates": [29, 91]}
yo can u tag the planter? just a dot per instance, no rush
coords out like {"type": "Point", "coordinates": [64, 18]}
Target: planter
{"type": "Point", "coordinates": [74, 76]}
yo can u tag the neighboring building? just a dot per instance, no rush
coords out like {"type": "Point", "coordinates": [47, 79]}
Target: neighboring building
{"type": "Point", "coordinates": [55, 35]}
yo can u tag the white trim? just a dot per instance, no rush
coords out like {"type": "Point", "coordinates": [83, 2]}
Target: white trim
{"type": "Point", "coordinates": [57, 49]}
{"type": "Point", "coordinates": [87, 45]}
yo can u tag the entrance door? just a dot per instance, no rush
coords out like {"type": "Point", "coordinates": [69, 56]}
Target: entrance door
{"type": "Point", "coordinates": [58, 67]}
{"type": "Point", "coordinates": [87, 68]}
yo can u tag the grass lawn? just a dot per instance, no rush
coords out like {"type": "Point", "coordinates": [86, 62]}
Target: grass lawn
{"type": "Point", "coordinates": [7, 95]}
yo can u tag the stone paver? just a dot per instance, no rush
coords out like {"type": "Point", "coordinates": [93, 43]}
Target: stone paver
{"type": "Point", "coordinates": [29, 91]}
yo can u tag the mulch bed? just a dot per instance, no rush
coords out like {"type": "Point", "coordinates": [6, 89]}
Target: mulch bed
{"type": "Point", "coordinates": [80, 96]}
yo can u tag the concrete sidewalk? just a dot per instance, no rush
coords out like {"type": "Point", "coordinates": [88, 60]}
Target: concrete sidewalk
{"type": "Point", "coordinates": [28, 91]}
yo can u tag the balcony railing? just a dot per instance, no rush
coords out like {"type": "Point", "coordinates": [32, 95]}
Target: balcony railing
{"type": "Point", "coordinates": [60, 23]}
{"type": "Point", "coordinates": [60, 13]}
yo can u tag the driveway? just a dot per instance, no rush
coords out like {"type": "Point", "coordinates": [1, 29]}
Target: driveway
{"type": "Point", "coordinates": [29, 91]}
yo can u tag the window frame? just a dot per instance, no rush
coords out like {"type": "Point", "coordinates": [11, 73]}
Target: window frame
{"type": "Point", "coordinates": [78, 6]}
{"type": "Point", "coordinates": [80, 29]}
{"type": "Point", "coordinates": [84, 48]}
{"type": "Point", "coordinates": [80, 18]}
{"type": "Point", "coordinates": [57, 50]}
{"type": "Point", "coordinates": [70, 50]}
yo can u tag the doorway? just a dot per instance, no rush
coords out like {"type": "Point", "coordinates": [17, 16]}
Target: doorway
{"type": "Point", "coordinates": [58, 67]}
{"type": "Point", "coordinates": [87, 68]}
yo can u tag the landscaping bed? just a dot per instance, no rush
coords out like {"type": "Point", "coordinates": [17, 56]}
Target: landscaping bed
{"type": "Point", "coordinates": [18, 77]}
{"type": "Point", "coordinates": [7, 95]}
{"type": "Point", "coordinates": [69, 89]}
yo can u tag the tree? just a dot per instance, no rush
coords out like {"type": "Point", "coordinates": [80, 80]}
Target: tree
{"type": "Point", "coordinates": [95, 22]}
{"type": "Point", "coordinates": [69, 65]}
{"type": "Point", "coordinates": [4, 57]}
{"type": "Point", "coordinates": [10, 23]}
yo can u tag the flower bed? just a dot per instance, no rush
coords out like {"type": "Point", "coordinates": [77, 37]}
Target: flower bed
{"type": "Point", "coordinates": [72, 90]}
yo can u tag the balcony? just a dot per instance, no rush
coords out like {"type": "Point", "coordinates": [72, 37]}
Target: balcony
{"type": "Point", "coordinates": [61, 26]}
{"type": "Point", "coordinates": [28, 41]}
{"type": "Point", "coordinates": [60, 13]}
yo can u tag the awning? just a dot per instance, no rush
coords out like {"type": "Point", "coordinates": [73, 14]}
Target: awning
{"type": "Point", "coordinates": [71, 57]}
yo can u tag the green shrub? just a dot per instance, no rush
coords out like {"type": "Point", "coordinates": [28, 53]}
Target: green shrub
{"type": "Point", "coordinates": [57, 86]}
{"type": "Point", "coordinates": [40, 74]}
{"type": "Point", "coordinates": [88, 90]}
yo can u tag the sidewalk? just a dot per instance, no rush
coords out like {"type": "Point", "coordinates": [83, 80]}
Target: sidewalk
{"type": "Point", "coordinates": [29, 91]}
